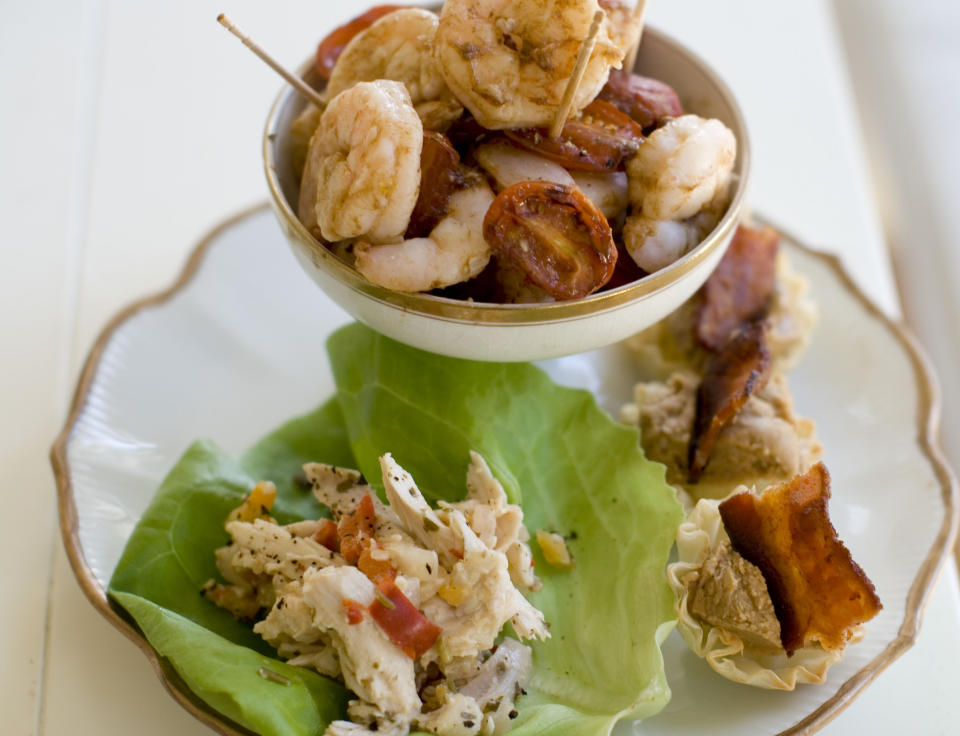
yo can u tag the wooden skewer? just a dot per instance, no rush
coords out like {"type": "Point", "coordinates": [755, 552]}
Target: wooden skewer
{"type": "Point", "coordinates": [298, 84]}
{"type": "Point", "coordinates": [577, 76]}
{"type": "Point", "coordinates": [639, 11]}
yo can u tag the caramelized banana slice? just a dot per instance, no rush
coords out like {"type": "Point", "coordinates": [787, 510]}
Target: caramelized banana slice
{"type": "Point", "coordinates": [818, 592]}
{"type": "Point", "coordinates": [732, 376]}
{"type": "Point", "coordinates": [740, 288]}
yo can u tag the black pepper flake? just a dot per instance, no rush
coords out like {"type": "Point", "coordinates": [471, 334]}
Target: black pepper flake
{"type": "Point", "coordinates": [512, 714]}
{"type": "Point", "coordinates": [468, 724]}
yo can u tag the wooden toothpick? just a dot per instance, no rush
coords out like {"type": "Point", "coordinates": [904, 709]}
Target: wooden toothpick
{"type": "Point", "coordinates": [639, 11]}
{"type": "Point", "coordinates": [298, 84]}
{"type": "Point", "coordinates": [577, 76]}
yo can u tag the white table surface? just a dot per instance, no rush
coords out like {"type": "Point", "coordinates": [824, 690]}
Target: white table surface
{"type": "Point", "coordinates": [130, 129]}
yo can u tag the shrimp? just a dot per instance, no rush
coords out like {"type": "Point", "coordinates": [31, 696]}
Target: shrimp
{"type": "Point", "coordinates": [624, 26]}
{"type": "Point", "coordinates": [606, 189]}
{"type": "Point", "coordinates": [399, 46]}
{"type": "Point", "coordinates": [455, 250]}
{"type": "Point", "coordinates": [508, 61]}
{"type": "Point", "coordinates": [680, 168]}
{"type": "Point", "coordinates": [655, 244]}
{"type": "Point", "coordinates": [362, 175]}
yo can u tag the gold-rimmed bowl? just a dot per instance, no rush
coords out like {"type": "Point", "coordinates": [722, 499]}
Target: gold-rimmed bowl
{"type": "Point", "coordinates": [513, 332]}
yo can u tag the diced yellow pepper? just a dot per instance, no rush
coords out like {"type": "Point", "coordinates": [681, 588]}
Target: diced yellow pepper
{"type": "Point", "coordinates": [256, 504]}
{"type": "Point", "coordinates": [554, 548]}
{"type": "Point", "coordinates": [454, 594]}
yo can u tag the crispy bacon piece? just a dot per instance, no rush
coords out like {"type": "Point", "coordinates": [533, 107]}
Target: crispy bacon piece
{"type": "Point", "coordinates": [440, 177]}
{"type": "Point", "coordinates": [555, 234]}
{"type": "Point", "coordinates": [819, 593]}
{"type": "Point", "coordinates": [740, 288]}
{"type": "Point", "coordinates": [401, 621]}
{"type": "Point", "coordinates": [599, 138]}
{"type": "Point", "coordinates": [732, 376]}
{"type": "Point", "coordinates": [332, 46]}
{"type": "Point", "coordinates": [355, 611]}
{"type": "Point", "coordinates": [649, 102]}
{"type": "Point", "coordinates": [356, 530]}
{"type": "Point", "coordinates": [327, 535]}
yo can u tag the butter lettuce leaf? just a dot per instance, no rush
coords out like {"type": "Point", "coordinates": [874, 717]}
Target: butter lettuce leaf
{"type": "Point", "coordinates": [575, 472]}
{"type": "Point", "coordinates": [169, 557]}
{"type": "Point", "coordinates": [573, 469]}
{"type": "Point", "coordinates": [226, 675]}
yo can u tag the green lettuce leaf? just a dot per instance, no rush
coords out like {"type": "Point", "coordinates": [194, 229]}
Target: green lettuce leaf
{"type": "Point", "coordinates": [574, 470]}
{"type": "Point", "coordinates": [227, 675]}
{"type": "Point", "coordinates": [169, 557]}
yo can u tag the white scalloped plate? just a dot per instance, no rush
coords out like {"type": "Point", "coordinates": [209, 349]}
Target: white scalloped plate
{"type": "Point", "coordinates": [236, 346]}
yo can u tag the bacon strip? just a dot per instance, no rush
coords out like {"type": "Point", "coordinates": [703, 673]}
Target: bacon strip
{"type": "Point", "coordinates": [733, 375]}
{"type": "Point", "coordinates": [819, 593]}
{"type": "Point", "coordinates": [739, 289]}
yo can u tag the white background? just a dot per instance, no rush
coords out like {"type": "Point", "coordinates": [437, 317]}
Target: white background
{"type": "Point", "coordinates": [129, 129]}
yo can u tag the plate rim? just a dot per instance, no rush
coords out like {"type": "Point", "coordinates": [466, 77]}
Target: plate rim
{"type": "Point", "coordinates": [927, 438]}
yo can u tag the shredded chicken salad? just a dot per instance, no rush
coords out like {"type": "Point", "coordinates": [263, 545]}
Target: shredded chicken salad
{"type": "Point", "coordinates": [403, 602]}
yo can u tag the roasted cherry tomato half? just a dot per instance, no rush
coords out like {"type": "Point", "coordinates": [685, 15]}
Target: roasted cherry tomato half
{"type": "Point", "coordinates": [332, 46]}
{"type": "Point", "coordinates": [440, 177]}
{"type": "Point", "coordinates": [649, 102]}
{"type": "Point", "coordinates": [555, 234]}
{"type": "Point", "coordinates": [600, 138]}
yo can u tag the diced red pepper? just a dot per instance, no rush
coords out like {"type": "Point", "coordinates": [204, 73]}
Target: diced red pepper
{"type": "Point", "coordinates": [402, 622]}
{"type": "Point", "coordinates": [376, 570]}
{"type": "Point", "coordinates": [356, 529]}
{"type": "Point", "coordinates": [327, 535]}
{"type": "Point", "coordinates": [355, 611]}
